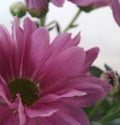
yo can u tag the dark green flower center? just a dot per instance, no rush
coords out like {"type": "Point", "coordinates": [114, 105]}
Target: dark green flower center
{"type": "Point", "coordinates": [26, 88]}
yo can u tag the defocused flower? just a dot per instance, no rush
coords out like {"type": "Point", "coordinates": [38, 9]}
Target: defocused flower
{"type": "Point", "coordinates": [18, 8]}
{"type": "Point", "coordinates": [43, 83]}
{"type": "Point", "coordinates": [37, 8]}
{"type": "Point", "coordinates": [114, 5]}
{"type": "Point", "coordinates": [41, 5]}
{"type": "Point", "coordinates": [113, 79]}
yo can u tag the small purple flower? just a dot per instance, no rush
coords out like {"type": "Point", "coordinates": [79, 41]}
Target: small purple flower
{"type": "Point", "coordinates": [37, 8]}
{"type": "Point", "coordinates": [45, 83]}
{"type": "Point", "coordinates": [36, 4]}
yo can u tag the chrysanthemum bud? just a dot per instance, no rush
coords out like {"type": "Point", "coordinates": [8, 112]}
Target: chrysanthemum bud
{"type": "Point", "coordinates": [38, 13]}
{"type": "Point", "coordinates": [18, 8]}
{"type": "Point", "coordinates": [38, 8]}
{"type": "Point", "coordinates": [112, 79]}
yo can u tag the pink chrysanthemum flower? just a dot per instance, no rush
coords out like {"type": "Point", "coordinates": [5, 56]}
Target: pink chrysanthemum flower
{"type": "Point", "coordinates": [43, 83]}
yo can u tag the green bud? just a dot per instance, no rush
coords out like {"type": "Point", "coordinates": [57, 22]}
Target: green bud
{"type": "Point", "coordinates": [18, 8]}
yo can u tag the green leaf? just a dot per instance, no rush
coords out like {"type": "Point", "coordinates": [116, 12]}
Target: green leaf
{"type": "Point", "coordinates": [107, 67]}
{"type": "Point", "coordinates": [114, 122]}
{"type": "Point", "coordinates": [86, 9]}
{"type": "Point", "coordinates": [96, 123]}
{"type": "Point", "coordinates": [95, 71]}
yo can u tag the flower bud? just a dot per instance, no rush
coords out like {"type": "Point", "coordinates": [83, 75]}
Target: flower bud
{"type": "Point", "coordinates": [37, 13]}
{"type": "Point", "coordinates": [37, 9]}
{"type": "Point", "coordinates": [18, 8]}
{"type": "Point", "coordinates": [113, 79]}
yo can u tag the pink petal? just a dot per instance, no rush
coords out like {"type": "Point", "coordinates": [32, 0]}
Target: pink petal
{"type": "Point", "coordinates": [94, 87]}
{"type": "Point", "coordinates": [82, 2]}
{"type": "Point", "coordinates": [63, 67]}
{"type": "Point", "coordinates": [76, 39]}
{"type": "Point", "coordinates": [21, 113]}
{"type": "Point", "coordinates": [115, 5]}
{"type": "Point", "coordinates": [65, 93]}
{"type": "Point", "coordinates": [63, 42]}
{"type": "Point", "coordinates": [18, 38]}
{"type": "Point", "coordinates": [4, 92]}
{"type": "Point", "coordinates": [91, 55]}
{"type": "Point", "coordinates": [12, 119]}
{"type": "Point", "coordinates": [39, 49]}
{"type": "Point", "coordinates": [29, 28]}
{"type": "Point", "coordinates": [8, 116]}
{"type": "Point", "coordinates": [66, 116]}
{"type": "Point", "coordinates": [31, 121]}
{"type": "Point", "coordinates": [37, 5]}
{"type": "Point", "coordinates": [6, 54]}
{"type": "Point", "coordinates": [41, 110]}
{"type": "Point", "coordinates": [4, 112]}
{"type": "Point", "coordinates": [58, 3]}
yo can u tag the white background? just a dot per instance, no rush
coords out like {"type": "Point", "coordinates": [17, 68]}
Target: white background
{"type": "Point", "coordinates": [97, 28]}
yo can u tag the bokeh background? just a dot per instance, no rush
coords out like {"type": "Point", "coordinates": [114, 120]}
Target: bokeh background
{"type": "Point", "coordinates": [97, 28]}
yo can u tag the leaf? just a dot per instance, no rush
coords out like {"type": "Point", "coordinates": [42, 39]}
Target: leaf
{"type": "Point", "coordinates": [95, 71]}
{"type": "Point", "coordinates": [107, 67]}
{"type": "Point", "coordinates": [96, 123]}
{"type": "Point", "coordinates": [58, 27]}
{"type": "Point", "coordinates": [114, 122]}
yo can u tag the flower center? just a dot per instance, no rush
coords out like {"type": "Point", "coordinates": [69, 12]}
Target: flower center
{"type": "Point", "coordinates": [26, 88]}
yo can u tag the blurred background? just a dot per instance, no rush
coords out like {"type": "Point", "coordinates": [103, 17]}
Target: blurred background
{"type": "Point", "coordinates": [97, 28]}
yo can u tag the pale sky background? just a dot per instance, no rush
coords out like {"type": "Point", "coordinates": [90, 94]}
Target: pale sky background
{"type": "Point", "coordinates": [97, 28]}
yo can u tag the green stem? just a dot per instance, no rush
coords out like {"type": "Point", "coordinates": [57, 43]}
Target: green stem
{"type": "Point", "coordinates": [112, 114]}
{"type": "Point", "coordinates": [42, 21]}
{"type": "Point", "coordinates": [73, 20]}
{"type": "Point", "coordinates": [95, 109]}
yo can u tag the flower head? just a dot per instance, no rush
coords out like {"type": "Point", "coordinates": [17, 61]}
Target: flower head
{"type": "Point", "coordinates": [113, 4]}
{"type": "Point", "coordinates": [37, 8]}
{"type": "Point", "coordinates": [43, 83]}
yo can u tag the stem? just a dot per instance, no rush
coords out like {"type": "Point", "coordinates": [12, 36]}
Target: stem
{"type": "Point", "coordinates": [42, 21]}
{"type": "Point", "coordinates": [73, 20]}
{"type": "Point", "coordinates": [112, 114]}
{"type": "Point", "coordinates": [95, 109]}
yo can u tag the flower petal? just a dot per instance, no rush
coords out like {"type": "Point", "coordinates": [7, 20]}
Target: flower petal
{"type": "Point", "coordinates": [82, 2]}
{"type": "Point", "coordinates": [63, 42]}
{"type": "Point", "coordinates": [8, 116]}
{"type": "Point", "coordinates": [91, 55]}
{"type": "Point", "coordinates": [37, 5]}
{"type": "Point", "coordinates": [63, 67]}
{"type": "Point", "coordinates": [6, 54]}
{"type": "Point", "coordinates": [65, 93]}
{"type": "Point", "coordinates": [41, 110]}
{"type": "Point", "coordinates": [4, 92]}
{"type": "Point", "coordinates": [115, 5]}
{"type": "Point", "coordinates": [39, 50]}
{"type": "Point", "coordinates": [18, 38]}
{"type": "Point", "coordinates": [66, 116]}
{"type": "Point", "coordinates": [21, 112]}
{"type": "Point", "coordinates": [94, 87]}
{"type": "Point", "coordinates": [29, 28]}
{"type": "Point", "coordinates": [58, 3]}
